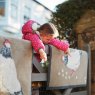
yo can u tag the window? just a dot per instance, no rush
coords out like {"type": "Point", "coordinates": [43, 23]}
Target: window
{"type": "Point", "coordinates": [14, 9]}
{"type": "Point", "coordinates": [14, 12]}
{"type": "Point", "coordinates": [27, 11]}
{"type": "Point", "coordinates": [2, 7]}
{"type": "Point", "coordinates": [14, 1]}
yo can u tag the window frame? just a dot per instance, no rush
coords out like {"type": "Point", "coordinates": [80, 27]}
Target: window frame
{"type": "Point", "coordinates": [27, 11]}
{"type": "Point", "coordinates": [4, 1]}
{"type": "Point", "coordinates": [14, 7]}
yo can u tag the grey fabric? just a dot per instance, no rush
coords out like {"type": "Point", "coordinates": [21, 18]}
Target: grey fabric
{"type": "Point", "coordinates": [59, 76]}
{"type": "Point", "coordinates": [22, 55]}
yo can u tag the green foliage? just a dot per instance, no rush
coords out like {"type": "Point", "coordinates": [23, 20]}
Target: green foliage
{"type": "Point", "coordinates": [67, 14]}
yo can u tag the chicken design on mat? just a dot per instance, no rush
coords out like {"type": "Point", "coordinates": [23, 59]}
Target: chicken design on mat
{"type": "Point", "coordinates": [9, 82]}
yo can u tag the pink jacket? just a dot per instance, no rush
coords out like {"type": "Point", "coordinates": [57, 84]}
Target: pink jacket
{"type": "Point", "coordinates": [35, 38]}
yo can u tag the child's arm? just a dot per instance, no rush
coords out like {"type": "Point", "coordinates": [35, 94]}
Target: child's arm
{"type": "Point", "coordinates": [37, 45]}
{"type": "Point", "coordinates": [62, 45]}
{"type": "Point", "coordinates": [35, 41]}
{"type": "Point", "coordinates": [43, 54]}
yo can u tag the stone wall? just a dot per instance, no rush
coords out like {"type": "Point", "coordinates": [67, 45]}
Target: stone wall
{"type": "Point", "coordinates": [87, 22]}
{"type": "Point", "coordinates": [86, 25]}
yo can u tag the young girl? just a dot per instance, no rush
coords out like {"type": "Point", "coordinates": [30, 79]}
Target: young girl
{"type": "Point", "coordinates": [46, 34]}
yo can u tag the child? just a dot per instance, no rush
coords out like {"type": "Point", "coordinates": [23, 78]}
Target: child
{"type": "Point", "coordinates": [46, 34]}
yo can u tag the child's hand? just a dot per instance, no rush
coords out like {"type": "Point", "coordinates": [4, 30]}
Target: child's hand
{"type": "Point", "coordinates": [43, 55]}
{"type": "Point", "coordinates": [67, 52]}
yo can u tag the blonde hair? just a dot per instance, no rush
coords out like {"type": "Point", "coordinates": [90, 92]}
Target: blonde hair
{"type": "Point", "coordinates": [49, 28]}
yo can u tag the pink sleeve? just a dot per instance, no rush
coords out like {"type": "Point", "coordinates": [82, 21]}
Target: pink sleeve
{"type": "Point", "coordinates": [36, 42]}
{"type": "Point", "coordinates": [62, 45]}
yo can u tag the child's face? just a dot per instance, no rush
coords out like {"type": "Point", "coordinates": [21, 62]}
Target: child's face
{"type": "Point", "coordinates": [46, 38]}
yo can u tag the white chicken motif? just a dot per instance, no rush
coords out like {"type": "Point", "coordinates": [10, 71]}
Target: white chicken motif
{"type": "Point", "coordinates": [73, 61]}
{"type": "Point", "coordinates": [8, 76]}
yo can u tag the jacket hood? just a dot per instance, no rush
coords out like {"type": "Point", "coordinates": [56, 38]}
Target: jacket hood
{"type": "Point", "coordinates": [27, 27]}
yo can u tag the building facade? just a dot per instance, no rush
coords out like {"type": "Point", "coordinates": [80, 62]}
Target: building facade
{"type": "Point", "coordinates": [14, 13]}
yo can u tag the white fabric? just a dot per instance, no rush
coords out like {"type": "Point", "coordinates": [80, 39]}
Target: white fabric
{"type": "Point", "coordinates": [34, 26]}
{"type": "Point", "coordinates": [8, 76]}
